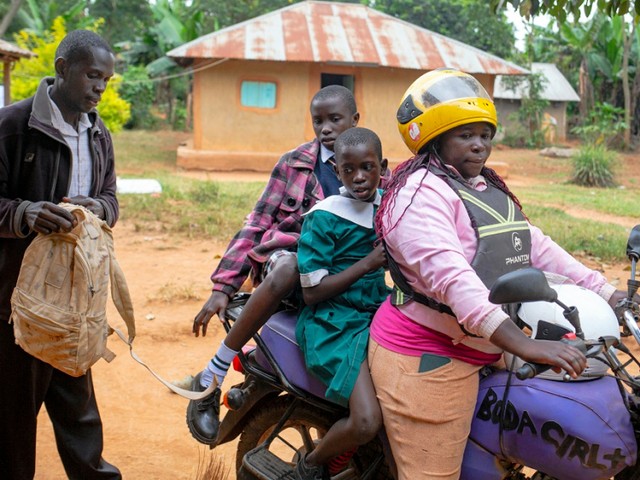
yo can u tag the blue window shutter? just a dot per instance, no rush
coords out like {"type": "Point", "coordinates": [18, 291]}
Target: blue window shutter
{"type": "Point", "coordinates": [258, 94]}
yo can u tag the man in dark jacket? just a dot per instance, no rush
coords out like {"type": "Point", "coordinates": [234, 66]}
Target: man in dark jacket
{"type": "Point", "coordinates": [53, 148]}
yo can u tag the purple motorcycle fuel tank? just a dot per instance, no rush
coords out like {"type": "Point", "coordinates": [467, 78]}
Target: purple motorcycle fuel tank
{"type": "Point", "coordinates": [568, 430]}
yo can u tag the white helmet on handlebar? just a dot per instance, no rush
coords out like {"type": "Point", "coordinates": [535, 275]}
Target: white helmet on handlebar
{"type": "Point", "coordinates": [596, 319]}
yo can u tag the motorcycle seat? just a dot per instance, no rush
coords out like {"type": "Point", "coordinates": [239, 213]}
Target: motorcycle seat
{"type": "Point", "coordinates": [279, 335]}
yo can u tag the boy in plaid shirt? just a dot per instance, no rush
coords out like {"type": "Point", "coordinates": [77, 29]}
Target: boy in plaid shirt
{"type": "Point", "coordinates": [265, 247]}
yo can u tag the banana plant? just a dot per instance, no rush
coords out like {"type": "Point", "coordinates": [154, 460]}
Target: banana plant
{"type": "Point", "coordinates": [581, 38]}
{"type": "Point", "coordinates": [38, 15]}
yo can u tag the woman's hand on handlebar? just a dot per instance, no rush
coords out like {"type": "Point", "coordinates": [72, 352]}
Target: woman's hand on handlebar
{"type": "Point", "coordinates": [559, 355]}
{"type": "Point", "coordinates": [216, 304]}
{"type": "Point", "coordinates": [616, 297]}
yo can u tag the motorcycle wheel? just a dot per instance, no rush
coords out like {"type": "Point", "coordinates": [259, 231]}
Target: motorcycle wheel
{"type": "Point", "coordinates": [629, 473]}
{"type": "Point", "coordinates": [542, 476]}
{"type": "Point", "coordinates": [306, 426]}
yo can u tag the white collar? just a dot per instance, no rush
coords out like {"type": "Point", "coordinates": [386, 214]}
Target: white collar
{"type": "Point", "coordinates": [325, 153]}
{"type": "Point", "coordinates": [347, 207]}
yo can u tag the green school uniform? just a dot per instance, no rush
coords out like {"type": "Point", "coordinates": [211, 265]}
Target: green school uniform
{"type": "Point", "coordinates": [334, 334]}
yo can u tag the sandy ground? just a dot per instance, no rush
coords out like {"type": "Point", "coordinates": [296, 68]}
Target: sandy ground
{"type": "Point", "coordinates": [144, 423]}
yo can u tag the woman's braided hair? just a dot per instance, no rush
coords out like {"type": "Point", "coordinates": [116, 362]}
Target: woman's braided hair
{"type": "Point", "coordinates": [406, 168]}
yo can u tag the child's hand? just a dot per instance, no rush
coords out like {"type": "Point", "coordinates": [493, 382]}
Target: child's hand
{"type": "Point", "coordinates": [216, 304]}
{"type": "Point", "coordinates": [376, 259]}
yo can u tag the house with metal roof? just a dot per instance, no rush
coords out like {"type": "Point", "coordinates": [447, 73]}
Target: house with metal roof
{"type": "Point", "coordinates": [555, 88]}
{"type": "Point", "coordinates": [9, 54]}
{"type": "Point", "coordinates": [253, 81]}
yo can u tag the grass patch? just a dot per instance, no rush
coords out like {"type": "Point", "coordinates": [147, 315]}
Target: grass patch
{"type": "Point", "coordinates": [194, 208]}
{"type": "Point", "coordinates": [146, 153]}
{"type": "Point", "coordinates": [621, 202]}
{"type": "Point", "coordinates": [186, 206]}
{"type": "Point", "coordinates": [604, 241]}
{"type": "Point", "coordinates": [172, 293]}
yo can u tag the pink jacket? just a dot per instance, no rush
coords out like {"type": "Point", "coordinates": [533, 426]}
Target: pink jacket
{"type": "Point", "coordinates": [434, 244]}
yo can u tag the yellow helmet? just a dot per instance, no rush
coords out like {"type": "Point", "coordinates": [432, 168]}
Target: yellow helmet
{"type": "Point", "coordinates": [440, 100]}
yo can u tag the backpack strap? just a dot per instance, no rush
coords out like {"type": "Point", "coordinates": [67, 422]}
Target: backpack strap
{"type": "Point", "coordinates": [124, 305]}
{"type": "Point", "coordinates": [190, 394]}
{"type": "Point", "coordinates": [120, 294]}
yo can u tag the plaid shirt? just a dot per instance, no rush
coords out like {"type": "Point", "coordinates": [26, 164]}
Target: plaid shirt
{"type": "Point", "coordinates": [276, 219]}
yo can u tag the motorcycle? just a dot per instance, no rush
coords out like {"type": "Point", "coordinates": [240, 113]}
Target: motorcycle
{"type": "Point", "coordinates": [530, 423]}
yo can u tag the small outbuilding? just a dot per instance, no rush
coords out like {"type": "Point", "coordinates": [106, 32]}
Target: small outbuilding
{"type": "Point", "coordinates": [253, 82]}
{"type": "Point", "coordinates": [556, 89]}
{"type": "Point", "coordinates": [9, 53]}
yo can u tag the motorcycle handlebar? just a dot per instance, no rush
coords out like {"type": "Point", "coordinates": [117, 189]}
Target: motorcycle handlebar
{"type": "Point", "coordinates": [530, 369]}
{"type": "Point", "coordinates": [627, 316]}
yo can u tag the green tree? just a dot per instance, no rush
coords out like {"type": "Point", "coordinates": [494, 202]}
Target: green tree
{"type": "Point", "coordinates": [28, 72]}
{"type": "Point", "coordinates": [469, 21]}
{"type": "Point", "coordinates": [138, 89]}
{"type": "Point", "coordinates": [561, 8]}
{"type": "Point", "coordinates": [581, 38]}
{"type": "Point", "coordinates": [621, 50]}
{"type": "Point", "coordinates": [8, 11]}
{"type": "Point", "coordinates": [122, 20]}
{"type": "Point", "coordinates": [223, 13]}
{"type": "Point", "coordinates": [532, 105]}
{"type": "Point", "coordinates": [36, 16]}
{"type": "Point", "coordinates": [175, 24]}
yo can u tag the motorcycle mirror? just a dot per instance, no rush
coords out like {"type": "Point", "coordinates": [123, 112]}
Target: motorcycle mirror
{"type": "Point", "coordinates": [524, 285]}
{"type": "Point", "coordinates": [633, 244]}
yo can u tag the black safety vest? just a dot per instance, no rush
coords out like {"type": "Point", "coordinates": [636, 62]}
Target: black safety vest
{"type": "Point", "coordinates": [504, 239]}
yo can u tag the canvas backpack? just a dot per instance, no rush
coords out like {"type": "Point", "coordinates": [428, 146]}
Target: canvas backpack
{"type": "Point", "coordinates": [58, 306]}
{"type": "Point", "coordinates": [59, 302]}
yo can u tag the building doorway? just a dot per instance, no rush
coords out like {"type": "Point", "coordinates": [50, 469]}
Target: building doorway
{"type": "Point", "coordinates": [347, 81]}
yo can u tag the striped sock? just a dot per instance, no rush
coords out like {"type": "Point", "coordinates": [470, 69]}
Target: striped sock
{"type": "Point", "coordinates": [218, 366]}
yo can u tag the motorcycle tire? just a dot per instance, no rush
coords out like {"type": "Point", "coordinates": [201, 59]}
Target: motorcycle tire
{"type": "Point", "coordinates": [629, 473]}
{"type": "Point", "coordinates": [542, 476]}
{"type": "Point", "coordinates": [305, 425]}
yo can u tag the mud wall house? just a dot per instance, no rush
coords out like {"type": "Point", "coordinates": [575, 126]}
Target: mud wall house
{"type": "Point", "coordinates": [9, 54]}
{"type": "Point", "coordinates": [253, 82]}
{"type": "Point", "coordinates": [556, 89]}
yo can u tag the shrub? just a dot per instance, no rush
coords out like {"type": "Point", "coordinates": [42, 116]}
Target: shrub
{"type": "Point", "coordinates": [515, 136]}
{"type": "Point", "coordinates": [114, 110]}
{"type": "Point", "coordinates": [529, 133]}
{"type": "Point", "coordinates": [138, 89]}
{"type": "Point", "coordinates": [604, 125]}
{"type": "Point", "coordinates": [593, 166]}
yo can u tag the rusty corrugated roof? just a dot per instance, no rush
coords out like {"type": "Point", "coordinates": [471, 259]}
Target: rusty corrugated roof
{"type": "Point", "coordinates": [344, 33]}
{"type": "Point", "coordinates": [12, 51]}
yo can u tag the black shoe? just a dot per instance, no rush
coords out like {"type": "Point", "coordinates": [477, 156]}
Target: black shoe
{"type": "Point", "coordinates": [203, 416]}
{"type": "Point", "coordinates": [304, 471]}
